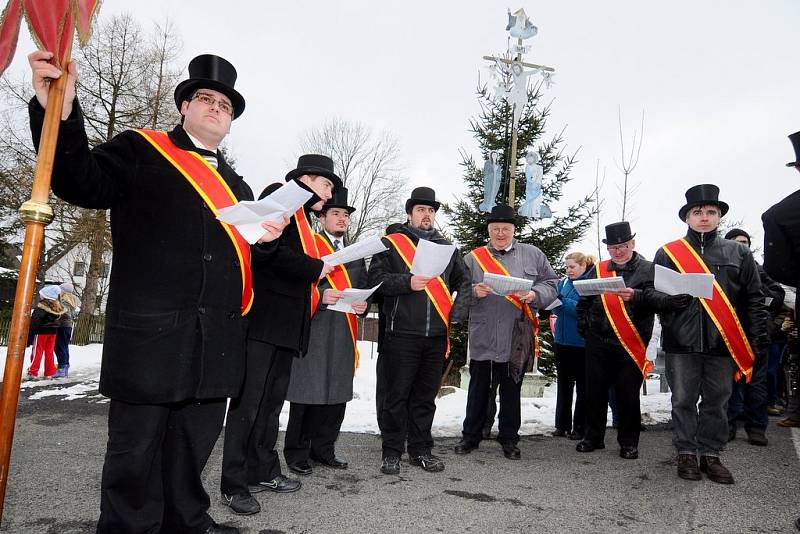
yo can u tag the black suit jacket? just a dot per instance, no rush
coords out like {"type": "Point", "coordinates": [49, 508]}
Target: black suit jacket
{"type": "Point", "coordinates": [174, 330]}
{"type": "Point", "coordinates": [281, 313]}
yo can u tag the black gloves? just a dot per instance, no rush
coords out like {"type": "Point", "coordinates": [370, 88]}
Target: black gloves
{"type": "Point", "coordinates": [677, 302]}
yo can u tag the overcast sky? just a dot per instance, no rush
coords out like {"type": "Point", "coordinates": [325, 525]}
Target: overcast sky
{"type": "Point", "coordinates": [718, 81]}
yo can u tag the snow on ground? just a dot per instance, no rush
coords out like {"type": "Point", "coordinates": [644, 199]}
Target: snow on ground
{"type": "Point", "coordinates": [538, 414]}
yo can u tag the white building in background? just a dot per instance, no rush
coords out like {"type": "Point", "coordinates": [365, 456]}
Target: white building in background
{"type": "Point", "coordinates": [74, 267]}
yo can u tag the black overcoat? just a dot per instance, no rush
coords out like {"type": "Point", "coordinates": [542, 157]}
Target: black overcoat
{"type": "Point", "coordinates": [174, 330]}
{"type": "Point", "coordinates": [281, 313]}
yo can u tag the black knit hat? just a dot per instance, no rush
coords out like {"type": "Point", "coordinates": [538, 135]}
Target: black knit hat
{"type": "Point", "coordinates": [733, 233]}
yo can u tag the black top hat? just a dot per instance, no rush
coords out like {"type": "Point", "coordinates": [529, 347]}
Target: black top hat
{"type": "Point", "coordinates": [315, 165]}
{"type": "Point", "coordinates": [618, 232]}
{"type": "Point", "coordinates": [422, 195]}
{"type": "Point", "coordinates": [795, 139]}
{"type": "Point", "coordinates": [502, 213]}
{"type": "Point", "coordinates": [702, 195]}
{"type": "Point", "coordinates": [210, 72]}
{"type": "Point", "coordinates": [338, 200]}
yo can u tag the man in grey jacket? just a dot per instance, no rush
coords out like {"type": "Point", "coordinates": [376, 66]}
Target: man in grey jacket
{"type": "Point", "coordinates": [491, 322]}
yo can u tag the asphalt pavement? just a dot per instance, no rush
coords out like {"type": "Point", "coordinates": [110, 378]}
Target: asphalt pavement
{"type": "Point", "coordinates": [54, 485]}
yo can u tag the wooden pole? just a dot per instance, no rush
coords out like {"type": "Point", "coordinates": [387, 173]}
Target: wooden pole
{"type": "Point", "coordinates": [512, 171]}
{"type": "Point", "coordinates": [36, 214]}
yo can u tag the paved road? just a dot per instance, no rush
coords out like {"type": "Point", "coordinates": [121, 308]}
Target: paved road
{"type": "Point", "coordinates": [57, 459]}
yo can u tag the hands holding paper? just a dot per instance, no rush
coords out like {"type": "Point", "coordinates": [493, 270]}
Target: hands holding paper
{"type": "Point", "coordinates": [326, 269]}
{"type": "Point", "coordinates": [274, 229]}
{"type": "Point", "coordinates": [526, 296]}
{"type": "Point", "coordinates": [482, 290]}
{"type": "Point", "coordinates": [625, 293]}
{"type": "Point", "coordinates": [418, 282]}
{"type": "Point", "coordinates": [332, 296]}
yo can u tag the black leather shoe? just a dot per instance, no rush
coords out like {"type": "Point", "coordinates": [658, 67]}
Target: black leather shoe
{"type": "Point", "coordinates": [687, 467]}
{"type": "Point", "coordinates": [214, 528]}
{"type": "Point", "coordinates": [629, 453]}
{"type": "Point", "coordinates": [464, 447]}
{"type": "Point", "coordinates": [279, 484]}
{"type": "Point", "coordinates": [575, 435]}
{"type": "Point", "coordinates": [301, 468]}
{"type": "Point", "coordinates": [511, 451]}
{"type": "Point", "coordinates": [558, 433]}
{"type": "Point", "coordinates": [244, 504]}
{"type": "Point", "coordinates": [390, 465]}
{"type": "Point", "coordinates": [588, 446]}
{"type": "Point", "coordinates": [333, 462]}
{"type": "Point", "coordinates": [716, 472]}
{"type": "Point", "coordinates": [757, 437]}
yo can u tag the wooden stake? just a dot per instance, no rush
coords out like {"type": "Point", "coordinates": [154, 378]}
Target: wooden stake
{"type": "Point", "coordinates": [36, 213]}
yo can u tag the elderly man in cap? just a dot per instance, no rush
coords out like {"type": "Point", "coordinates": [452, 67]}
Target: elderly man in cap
{"type": "Point", "coordinates": [491, 324]}
{"type": "Point", "coordinates": [286, 298]}
{"type": "Point", "coordinates": [710, 339]}
{"type": "Point", "coordinates": [749, 401]}
{"type": "Point", "coordinates": [419, 310]}
{"type": "Point", "coordinates": [617, 327]}
{"type": "Point", "coordinates": [321, 381]}
{"type": "Point", "coordinates": [179, 288]}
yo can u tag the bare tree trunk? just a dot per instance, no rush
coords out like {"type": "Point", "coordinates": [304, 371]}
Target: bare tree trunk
{"type": "Point", "coordinates": [90, 301]}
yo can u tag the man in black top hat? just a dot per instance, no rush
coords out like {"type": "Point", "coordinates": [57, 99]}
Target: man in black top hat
{"type": "Point", "coordinates": [782, 232]}
{"type": "Point", "coordinates": [608, 362]}
{"type": "Point", "coordinates": [492, 319]}
{"type": "Point", "coordinates": [321, 381]}
{"type": "Point", "coordinates": [699, 364]}
{"type": "Point", "coordinates": [278, 331]}
{"type": "Point", "coordinates": [416, 337]}
{"type": "Point", "coordinates": [174, 344]}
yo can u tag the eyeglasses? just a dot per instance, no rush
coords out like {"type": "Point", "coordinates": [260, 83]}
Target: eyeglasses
{"type": "Point", "coordinates": [209, 101]}
{"type": "Point", "coordinates": [614, 248]}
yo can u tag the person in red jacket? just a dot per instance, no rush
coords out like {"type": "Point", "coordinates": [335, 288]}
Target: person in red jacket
{"type": "Point", "coordinates": [45, 321]}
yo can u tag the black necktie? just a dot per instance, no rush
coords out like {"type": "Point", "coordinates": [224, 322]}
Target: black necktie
{"type": "Point", "coordinates": [335, 244]}
{"type": "Point", "coordinates": [502, 252]}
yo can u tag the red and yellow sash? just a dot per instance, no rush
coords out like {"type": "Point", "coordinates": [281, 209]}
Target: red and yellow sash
{"type": "Point", "coordinates": [489, 264]}
{"type": "Point", "coordinates": [214, 191]}
{"type": "Point", "coordinates": [339, 279]}
{"type": "Point", "coordinates": [617, 315]}
{"type": "Point", "coordinates": [310, 249]}
{"type": "Point", "coordinates": [718, 307]}
{"type": "Point", "coordinates": [436, 289]}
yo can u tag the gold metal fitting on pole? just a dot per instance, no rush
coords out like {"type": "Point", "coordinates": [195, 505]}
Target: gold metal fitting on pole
{"type": "Point", "coordinates": [34, 211]}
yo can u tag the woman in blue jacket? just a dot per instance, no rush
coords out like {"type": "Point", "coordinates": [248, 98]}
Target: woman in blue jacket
{"type": "Point", "coordinates": [570, 352]}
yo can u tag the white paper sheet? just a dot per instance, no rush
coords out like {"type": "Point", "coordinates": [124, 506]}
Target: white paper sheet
{"type": "Point", "coordinates": [351, 295]}
{"type": "Point", "coordinates": [597, 286]}
{"type": "Point", "coordinates": [674, 283]}
{"type": "Point", "coordinates": [505, 285]}
{"type": "Point", "coordinates": [555, 304]}
{"type": "Point", "coordinates": [431, 259]}
{"type": "Point", "coordinates": [355, 251]}
{"type": "Point", "coordinates": [248, 215]}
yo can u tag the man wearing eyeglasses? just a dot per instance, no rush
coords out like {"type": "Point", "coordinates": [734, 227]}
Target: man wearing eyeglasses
{"type": "Point", "coordinates": [709, 340]}
{"type": "Point", "coordinates": [180, 286]}
{"type": "Point", "coordinates": [617, 327]}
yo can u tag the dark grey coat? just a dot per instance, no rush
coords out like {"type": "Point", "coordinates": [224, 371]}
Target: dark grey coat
{"type": "Point", "coordinates": [325, 374]}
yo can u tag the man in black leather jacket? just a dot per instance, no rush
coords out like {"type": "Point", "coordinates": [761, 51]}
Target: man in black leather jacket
{"type": "Point", "coordinates": [699, 365]}
{"type": "Point", "coordinates": [608, 364]}
{"type": "Point", "coordinates": [415, 339]}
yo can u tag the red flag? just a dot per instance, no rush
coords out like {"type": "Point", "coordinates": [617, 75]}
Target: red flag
{"type": "Point", "coordinates": [9, 32]}
{"type": "Point", "coordinates": [52, 24]}
{"type": "Point", "coordinates": [86, 11]}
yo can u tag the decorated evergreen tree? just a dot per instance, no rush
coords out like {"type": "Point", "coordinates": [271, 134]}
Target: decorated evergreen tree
{"type": "Point", "coordinates": [553, 236]}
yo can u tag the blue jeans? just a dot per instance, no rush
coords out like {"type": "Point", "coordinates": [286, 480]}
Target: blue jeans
{"type": "Point", "coordinates": [773, 368]}
{"type": "Point", "coordinates": [749, 401]}
{"type": "Point", "coordinates": [699, 428]}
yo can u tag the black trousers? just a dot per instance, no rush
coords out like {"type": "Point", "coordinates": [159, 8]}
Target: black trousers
{"type": "Point", "coordinates": [609, 365]}
{"type": "Point", "coordinates": [571, 374]}
{"type": "Point", "coordinates": [312, 431]}
{"type": "Point", "coordinates": [154, 459]}
{"type": "Point", "coordinates": [252, 429]}
{"type": "Point", "coordinates": [481, 376]}
{"type": "Point", "coordinates": [412, 375]}
{"type": "Point", "coordinates": [380, 389]}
